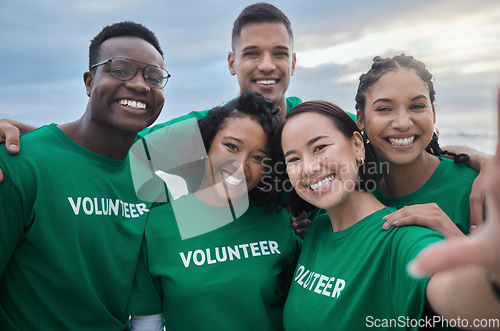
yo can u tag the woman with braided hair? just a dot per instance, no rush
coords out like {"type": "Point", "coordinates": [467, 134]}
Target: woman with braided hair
{"type": "Point", "coordinates": [395, 109]}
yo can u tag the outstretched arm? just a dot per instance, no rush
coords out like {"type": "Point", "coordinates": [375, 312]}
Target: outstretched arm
{"type": "Point", "coordinates": [466, 280]}
{"type": "Point", "coordinates": [9, 134]}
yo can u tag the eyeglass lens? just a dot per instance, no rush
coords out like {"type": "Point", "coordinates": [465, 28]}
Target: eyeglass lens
{"type": "Point", "coordinates": [125, 69]}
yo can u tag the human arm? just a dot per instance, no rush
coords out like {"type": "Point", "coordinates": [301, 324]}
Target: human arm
{"type": "Point", "coordinates": [147, 323]}
{"type": "Point", "coordinates": [459, 285]}
{"type": "Point", "coordinates": [428, 215]}
{"type": "Point", "coordinates": [300, 224]}
{"type": "Point", "coordinates": [480, 162]}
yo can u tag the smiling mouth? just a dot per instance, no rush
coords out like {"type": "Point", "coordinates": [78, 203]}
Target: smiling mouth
{"type": "Point", "coordinates": [267, 82]}
{"type": "Point", "coordinates": [401, 141]}
{"type": "Point", "coordinates": [228, 178]}
{"type": "Point", "coordinates": [322, 183]}
{"type": "Point", "coordinates": [132, 104]}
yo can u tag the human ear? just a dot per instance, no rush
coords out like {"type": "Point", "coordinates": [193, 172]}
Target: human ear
{"type": "Point", "coordinates": [358, 143]}
{"type": "Point", "coordinates": [294, 59]}
{"type": "Point", "coordinates": [230, 62]}
{"type": "Point", "coordinates": [88, 79]}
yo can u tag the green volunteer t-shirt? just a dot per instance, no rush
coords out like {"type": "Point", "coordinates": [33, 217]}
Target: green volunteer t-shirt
{"type": "Point", "coordinates": [449, 187]}
{"type": "Point", "coordinates": [226, 274]}
{"type": "Point", "coordinates": [356, 279]}
{"type": "Point", "coordinates": [71, 228]}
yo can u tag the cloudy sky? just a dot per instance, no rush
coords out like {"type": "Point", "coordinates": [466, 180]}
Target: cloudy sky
{"type": "Point", "coordinates": [44, 52]}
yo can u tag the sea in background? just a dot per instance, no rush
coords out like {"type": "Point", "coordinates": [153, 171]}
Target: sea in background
{"type": "Point", "coordinates": [475, 130]}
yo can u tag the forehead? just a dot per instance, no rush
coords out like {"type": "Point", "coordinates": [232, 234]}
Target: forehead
{"type": "Point", "coordinates": [264, 33]}
{"type": "Point", "coordinates": [242, 125]}
{"type": "Point", "coordinates": [399, 83]}
{"type": "Point", "coordinates": [244, 128]}
{"type": "Point", "coordinates": [303, 127]}
{"type": "Point", "coordinates": [130, 47]}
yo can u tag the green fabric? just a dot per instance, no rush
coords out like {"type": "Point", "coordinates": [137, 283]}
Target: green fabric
{"type": "Point", "coordinates": [230, 278]}
{"type": "Point", "coordinates": [71, 229]}
{"type": "Point", "coordinates": [449, 187]}
{"type": "Point", "coordinates": [345, 277]}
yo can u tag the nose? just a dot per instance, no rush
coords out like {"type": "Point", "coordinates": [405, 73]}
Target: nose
{"type": "Point", "coordinates": [138, 83]}
{"type": "Point", "coordinates": [266, 63]}
{"type": "Point", "coordinates": [402, 120]}
{"type": "Point", "coordinates": [310, 166]}
{"type": "Point", "coordinates": [242, 162]}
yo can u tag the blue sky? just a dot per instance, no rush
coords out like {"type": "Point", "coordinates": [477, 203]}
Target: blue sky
{"type": "Point", "coordinates": [44, 52]}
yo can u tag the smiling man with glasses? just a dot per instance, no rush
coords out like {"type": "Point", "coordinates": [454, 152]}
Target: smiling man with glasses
{"type": "Point", "coordinates": [71, 225]}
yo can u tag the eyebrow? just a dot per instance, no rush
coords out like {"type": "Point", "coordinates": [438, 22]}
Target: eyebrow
{"type": "Point", "coordinates": [255, 47]}
{"type": "Point", "coordinates": [309, 143]}
{"type": "Point", "coordinates": [421, 96]}
{"type": "Point", "coordinates": [241, 141]}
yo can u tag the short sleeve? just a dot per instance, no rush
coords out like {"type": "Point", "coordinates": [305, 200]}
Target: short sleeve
{"type": "Point", "coordinates": [408, 294]}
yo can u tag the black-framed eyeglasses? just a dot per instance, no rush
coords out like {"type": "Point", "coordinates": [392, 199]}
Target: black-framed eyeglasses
{"type": "Point", "coordinates": [125, 69]}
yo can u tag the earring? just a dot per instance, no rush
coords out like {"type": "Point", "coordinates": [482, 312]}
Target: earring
{"type": "Point", "coordinates": [360, 163]}
{"type": "Point", "coordinates": [435, 135]}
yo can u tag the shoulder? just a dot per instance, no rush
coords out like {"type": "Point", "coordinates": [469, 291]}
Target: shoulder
{"type": "Point", "coordinates": [452, 167]}
{"type": "Point", "coordinates": [407, 241]}
{"type": "Point", "coordinates": [451, 171]}
{"type": "Point", "coordinates": [31, 141]}
{"type": "Point", "coordinates": [292, 102]}
{"type": "Point", "coordinates": [319, 224]}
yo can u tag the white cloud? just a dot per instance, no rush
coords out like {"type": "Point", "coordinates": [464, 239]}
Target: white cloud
{"type": "Point", "coordinates": [466, 43]}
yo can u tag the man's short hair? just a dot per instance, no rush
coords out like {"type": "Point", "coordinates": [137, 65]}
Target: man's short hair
{"type": "Point", "coordinates": [260, 13]}
{"type": "Point", "coordinates": [122, 29]}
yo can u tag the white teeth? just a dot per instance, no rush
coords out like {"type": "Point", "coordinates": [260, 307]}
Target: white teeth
{"type": "Point", "coordinates": [322, 183]}
{"type": "Point", "coordinates": [402, 141]}
{"type": "Point", "coordinates": [230, 179]}
{"type": "Point", "coordinates": [266, 82]}
{"type": "Point", "coordinates": [132, 104]}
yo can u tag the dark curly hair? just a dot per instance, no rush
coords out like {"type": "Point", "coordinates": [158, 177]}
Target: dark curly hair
{"type": "Point", "coordinates": [380, 67]}
{"type": "Point", "coordinates": [345, 124]}
{"type": "Point", "coordinates": [259, 109]}
{"type": "Point", "coordinates": [122, 29]}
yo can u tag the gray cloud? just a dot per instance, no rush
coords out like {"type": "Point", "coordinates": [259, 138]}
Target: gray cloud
{"type": "Point", "coordinates": [44, 51]}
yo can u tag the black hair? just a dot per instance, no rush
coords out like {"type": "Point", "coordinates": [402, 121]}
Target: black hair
{"type": "Point", "coordinates": [122, 29]}
{"type": "Point", "coordinates": [260, 109]}
{"type": "Point", "coordinates": [259, 13]}
{"type": "Point", "coordinates": [367, 178]}
{"type": "Point", "coordinates": [380, 67]}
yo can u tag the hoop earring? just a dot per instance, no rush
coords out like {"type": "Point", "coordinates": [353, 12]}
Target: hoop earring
{"type": "Point", "coordinates": [360, 163]}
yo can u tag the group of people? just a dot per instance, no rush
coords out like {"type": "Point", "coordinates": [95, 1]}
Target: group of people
{"type": "Point", "coordinates": [81, 249]}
